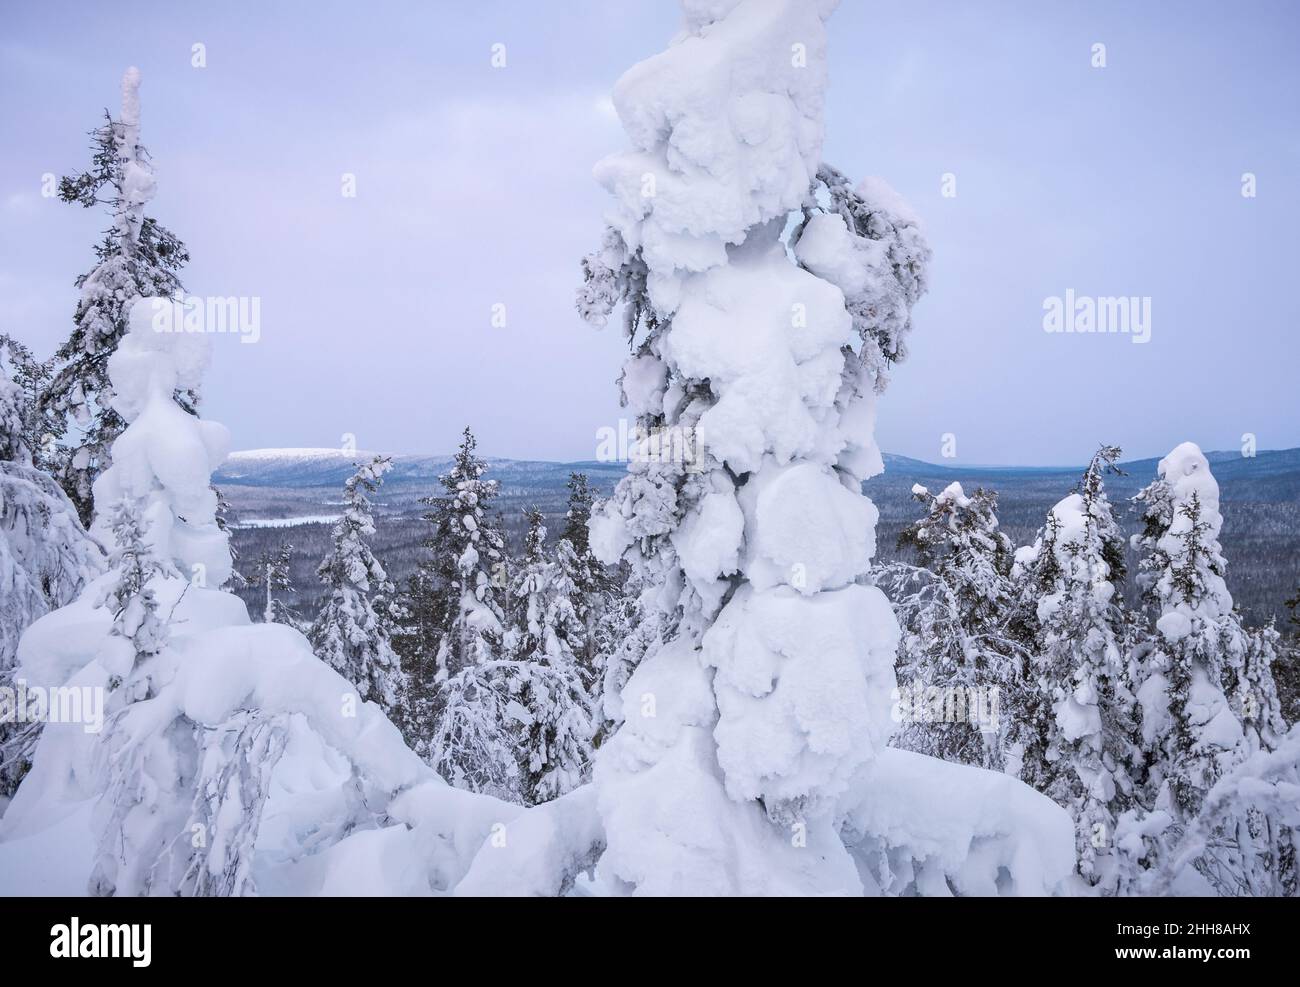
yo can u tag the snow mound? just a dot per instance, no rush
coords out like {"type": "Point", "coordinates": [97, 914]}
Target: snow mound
{"type": "Point", "coordinates": [987, 834]}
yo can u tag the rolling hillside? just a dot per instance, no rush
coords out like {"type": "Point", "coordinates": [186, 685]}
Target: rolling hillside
{"type": "Point", "coordinates": [270, 488]}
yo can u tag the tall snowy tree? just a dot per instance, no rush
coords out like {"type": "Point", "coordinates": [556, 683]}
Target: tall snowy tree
{"type": "Point", "coordinates": [462, 688]}
{"type": "Point", "coordinates": [1187, 681]}
{"type": "Point", "coordinates": [166, 552]}
{"type": "Point", "coordinates": [461, 615]}
{"type": "Point", "coordinates": [352, 631]}
{"type": "Point", "coordinates": [454, 614]}
{"type": "Point", "coordinates": [761, 321]}
{"type": "Point", "coordinates": [545, 638]}
{"type": "Point", "coordinates": [1206, 689]}
{"type": "Point", "coordinates": [137, 258]}
{"type": "Point", "coordinates": [959, 651]}
{"type": "Point", "coordinates": [1074, 729]}
{"type": "Point", "coordinates": [582, 578]}
{"type": "Point", "coordinates": [770, 692]}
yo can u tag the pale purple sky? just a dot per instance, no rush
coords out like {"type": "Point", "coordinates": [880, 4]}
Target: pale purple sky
{"type": "Point", "coordinates": [474, 188]}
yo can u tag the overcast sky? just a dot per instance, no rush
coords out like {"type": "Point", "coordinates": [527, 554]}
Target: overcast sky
{"type": "Point", "coordinates": [474, 188]}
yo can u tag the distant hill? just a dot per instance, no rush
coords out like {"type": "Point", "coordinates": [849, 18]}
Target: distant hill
{"type": "Point", "coordinates": [269, 488]}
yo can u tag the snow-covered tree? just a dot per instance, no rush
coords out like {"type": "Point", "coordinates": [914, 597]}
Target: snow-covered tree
{"type": "Point", "coordinates": [529, 582]}
{"type": "Point", "coordinates": [520, 726]}
{"type": "Point", "coordinates": [131, 599]}
{"type": "Point", "coordinates": [1206, 690]}
{"type": "Point", "coordinates": [545, 638]}
{"type": "Point", "coordinates": [245, 724]}
{"type": "Point", "coordinates": [22, 377]}
{"type": "Point", "coordinates": [477, 736]}
{"type": "Point", "coordinates": [1241, 842]}
{"type": "Point", "coordinates": [1261, 707]}
{"type": "Point", "coordinates": [46, 557]}
{"type": "Point", "coordinates": [1073, 733]}
{"type": "Point", "coordinates": [766, 708]}
{"type": "Point", "coordinates": [352, 631]}
{"type": "Point", "coordinates": [1187, 682]}
{"type": "Point", "coordinates": [166, 551]}
{"type": "Point", "coordinates": [587, 583]}
{"type": "Point", "coordinates": [465, 571]}
{"type": "Point", "coordinates": [137, 258]}
{"type": "Point", "coordinates": [271, 574]}
{"type": "Point", "coordinates": [464, 695]}
{"type": "Point", "coordinates": [959, 651]}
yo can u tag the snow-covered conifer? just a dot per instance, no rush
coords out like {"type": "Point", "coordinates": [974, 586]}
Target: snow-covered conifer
{"type": "Point", "coordinates": [131, 599]}
{"type": "Point", "coordinates": [1209, 702]}
{"type": "Point", "coordinates": [1073, 732]}
{"type": "Point", "coordinates": [271, 574]}
{"type": "Point", "coordinates": [246, 722]}
{"type": "Point", "coordinates": [46, 557]}
{"type": "Point", "coordinates": [1186, 685]}
{"type": "Point", "coordinates": [477, 736]}
{"type": "Point", "coordinates": [958, 653]}
{"type": "Point", "coordinates": [352, 631]}
{"type": "Point", "coordinates": [1261, 708]}
{"type": "Point", "coordinates": [137, 258]}
{"type": "Point", "coordinates": [466, 569]}
{"type": "Point", "coordinates": [768, 701]}
{"type": "Point", "coordinates": [545, 639]}
{"type": "Point", "coordinates": [582, 577]}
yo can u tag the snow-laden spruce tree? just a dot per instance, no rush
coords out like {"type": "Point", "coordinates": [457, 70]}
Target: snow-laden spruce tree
{"type": "Point", "coordinates": [271, 575]}
{"type": "Point", "coordinates": [959, 652]}
{"type": "Point", "coordinates": [457, 612]}
{"type": "Point", "coordinates": [1074, 722]}
{"type": "Point", "coordinates": [352, 632]}
{"type": "Point", "coordinates": [581, 572]}
{"type": "Point", "coordinates": [1261, 707]}
{"type": "Point", "coordinates": [215, 724]}
{"type": "Point", "coordinates": [1208, 700]}
{"type": "Point", "coordinates": [1187, 683]}
{"type": "Point", "coordinates": [137, 258]}
{"type": "Point", "coordinates": [545, 638]}
{"type": "Point", "coordinates": [753, 746]}
{"type": "Point", "coordinates": [46, 557]}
